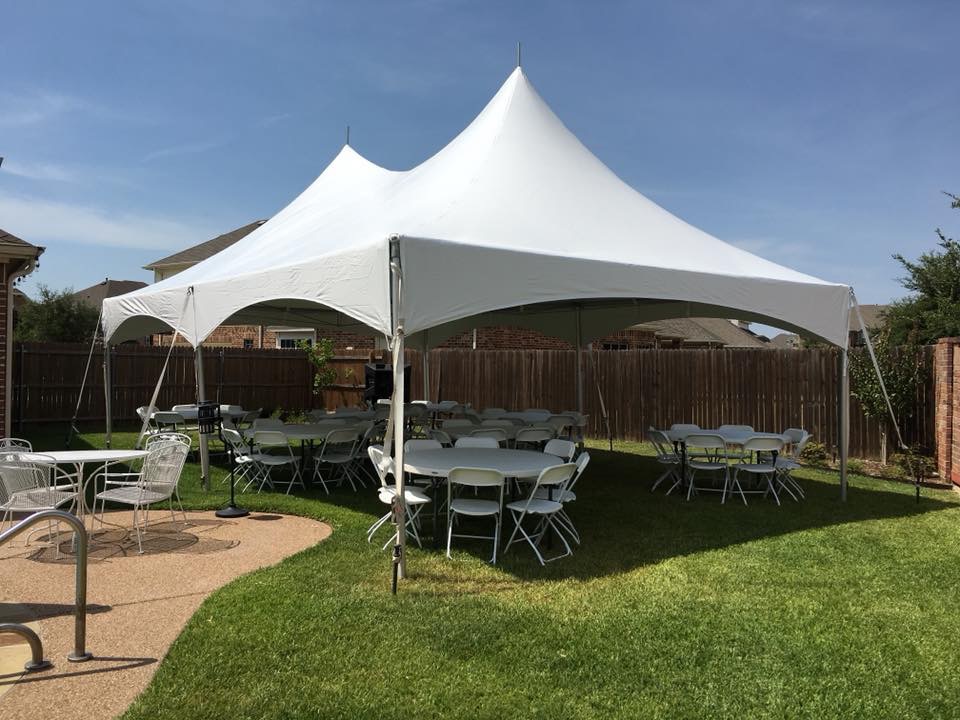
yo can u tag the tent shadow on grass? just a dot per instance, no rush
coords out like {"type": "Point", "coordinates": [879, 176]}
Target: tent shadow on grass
{"type": "Point", "coordinates": [623, 526]}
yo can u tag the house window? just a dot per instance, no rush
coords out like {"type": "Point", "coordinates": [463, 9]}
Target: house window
{"type": "Point", "coordinates": [248, 343]}
{"type": "Point", "coordinates": [289, 339]}
{"type": "Point", "coordinates": [616, 346]}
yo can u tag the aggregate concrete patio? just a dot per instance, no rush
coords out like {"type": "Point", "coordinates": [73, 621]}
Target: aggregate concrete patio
{"type": "Point", "coordinates": [137, 604]}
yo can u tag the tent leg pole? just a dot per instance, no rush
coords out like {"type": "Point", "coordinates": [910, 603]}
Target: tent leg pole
{"type": "Point", "coordinates": [425, 359]}
{"type": "Point", "coordinates": [107, 392]}
{"type": "Point", "coordinates": [201, 396]}
{"type": "Point", "coordinates": [397, 410]}
{"type": "Point", "coordinates": [579, 364]}
{"type": "Point", "coordinates": [843, 416]}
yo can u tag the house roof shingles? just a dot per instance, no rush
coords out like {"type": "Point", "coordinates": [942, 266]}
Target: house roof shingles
{"type": "Point", "coordinates": [706, 331]}
{"type": "Point", "coordinates": [196, 253]}
{"type": "Point", "coordinates": [95, 294]}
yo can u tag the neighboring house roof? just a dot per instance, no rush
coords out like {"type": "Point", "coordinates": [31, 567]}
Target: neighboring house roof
{"type": "Point", "coordinates": [872, 317]}
{"type": "Point", "coordinates": [95, 294]}
{"type": "Point", "coordinates": [193, 255]}
{"type": "Point", "coordinates": [705, 331]}
{"type": "Point", "coordinates": [785, 341]}
{"type": "Point", "coordinates": [12, 246]}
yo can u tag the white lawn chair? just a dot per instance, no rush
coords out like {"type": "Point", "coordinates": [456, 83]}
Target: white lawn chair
{"type": "Point", "coordinates": [164, 421]}
{"type": "Point", "coordinates": [478, 479]}
{"type": "Point", "coordinates": [477, 442]}
{"type": "Point", "coordinates": [545, 511]}
{"type": "Point", "coordinates": [493, 413]}
{"type": "Point", "coordinates": [764, 470]}
{"type": "Point", "coordinates": [27, 486]}
{"type": "Point", "coordinates": [245, 464]}
{"type": "Point", "coordinates": [414, 498]}
{"type": "Point", "coordinates": [157, 482]}
{"type": "Point", "coordinates": [421, 444]}
{"type": "Point", "coordinates": [10, 443]}
{"type": "Point", "coordinates": [441, 437]}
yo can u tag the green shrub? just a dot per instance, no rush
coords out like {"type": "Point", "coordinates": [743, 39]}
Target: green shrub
{"type": "Point", "coordinates": [815, 453]}
{"type": "Point", "coordinates": [856, 466]}
{"type": "Point", "coordinates": [915, 463]}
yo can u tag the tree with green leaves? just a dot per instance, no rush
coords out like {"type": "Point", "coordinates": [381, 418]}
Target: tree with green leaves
{"type": "Point", "coordinates": [932, 310]}
{"type": "Point", "coordinates": [56, 316]}
{"type": "Point", "coordinates": [903, 368]}
{"type": "Point", "coordinates": [320, 354]}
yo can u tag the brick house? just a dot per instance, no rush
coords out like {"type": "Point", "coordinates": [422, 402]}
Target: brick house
{"type": "Point", "coordinates": [680, 332]}
{"type": "Point", "coordinates": [18, 258]}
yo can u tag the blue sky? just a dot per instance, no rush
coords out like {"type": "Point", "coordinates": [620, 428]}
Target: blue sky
{"type": "Point", "coordinates": [817, 134]}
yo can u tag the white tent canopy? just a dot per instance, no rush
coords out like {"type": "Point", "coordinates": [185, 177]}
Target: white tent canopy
{"type": "Point", "coordinates": [513, 222]}
{"type": "Point", "coordinates": [513, 213]}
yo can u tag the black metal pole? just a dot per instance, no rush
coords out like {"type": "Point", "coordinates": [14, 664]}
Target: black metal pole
{"type": "Point", "coordinates": [231, 510]}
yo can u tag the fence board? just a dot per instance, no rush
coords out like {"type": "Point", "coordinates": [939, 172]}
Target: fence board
{"type": "Point", "coordinates": [769, 389]}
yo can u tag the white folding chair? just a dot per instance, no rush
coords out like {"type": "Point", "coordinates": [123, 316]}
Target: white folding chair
{"type": "Point", "coordinates": [338, 451]}
{"type": "Point", "coordinates": [764, 470]}
{"type": "Point", "coordinates": [497, 434]}
{"type": "Point", "coordinates": [478, 479]}
{"type": "Point", "coordinates": [441, 437]}
{"type": "Point", "coordinates": [245, 464]}
{"type": "Point", "coordinates": [566, 495]}
{"type": "Point", "coordinates": [666, 456]}
{"type": "Point", "coordinates": [272, 450]}
{"type": "Point", "coordinates": [421, 444]}
{"type": "Point", "coordinates": [564, 449]}
{"type": "Point", "coordinates": [414, 498]}
{"type": "Point", "coordinates": [477, 442]}
{"type": "Point", "coordinates": [545, 511]}
{"type": "Point", "coordinates": [533, 436]}
{"type": "Point", "coordinates": [493, 413]}
{"type": "Point", "coordinates": [709, 454]}
{"type": "Point", "coordinates": [789, 459]}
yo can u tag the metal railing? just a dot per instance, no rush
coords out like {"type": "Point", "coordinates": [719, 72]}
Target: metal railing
{"type": "Point", "coordinates": [79, 653]}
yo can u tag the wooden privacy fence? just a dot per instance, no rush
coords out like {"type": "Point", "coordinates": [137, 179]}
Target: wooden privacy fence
{"type": "Point", "coordinates": [768, 389]}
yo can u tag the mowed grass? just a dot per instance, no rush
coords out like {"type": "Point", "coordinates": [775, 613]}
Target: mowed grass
{"type": "Point", "coordinates": [668, 610]}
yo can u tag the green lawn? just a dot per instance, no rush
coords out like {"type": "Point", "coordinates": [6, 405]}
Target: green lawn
{"type": "Point", "coordinates": [669, 609]}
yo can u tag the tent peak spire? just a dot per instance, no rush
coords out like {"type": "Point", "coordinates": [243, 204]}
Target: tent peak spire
{"type": "Point", "coordinates": [518, 54]}
{"type": "Point", "coordinates": [347, 143]}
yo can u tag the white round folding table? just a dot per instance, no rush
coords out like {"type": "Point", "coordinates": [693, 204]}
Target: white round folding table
{"type": "Point", "coordinates": [437, 464]}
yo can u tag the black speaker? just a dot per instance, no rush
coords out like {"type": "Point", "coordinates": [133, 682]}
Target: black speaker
{"type": "Point", "coordinates": [378, 380]}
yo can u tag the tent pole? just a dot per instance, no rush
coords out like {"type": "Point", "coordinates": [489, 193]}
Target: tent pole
{"type": "Point", "coordinates": [107, 391]}
{"type": "Point", "coordinates": [201, 396]}
{"type": "Point", "coordinates": [843, 415]}
{"type": "Point", "coordinates": [425, 359]}
{"type": "Point", "coordinates": [579, 363]}
{"type": "Point", "coordinates": [397, 410]}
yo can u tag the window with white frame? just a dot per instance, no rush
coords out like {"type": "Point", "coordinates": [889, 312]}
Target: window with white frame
{"type": "Point", "coordinates": [288, 339]}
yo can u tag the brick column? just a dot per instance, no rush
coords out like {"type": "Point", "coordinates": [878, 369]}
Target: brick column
{"type": "Point", "coordinates": [946, 377]}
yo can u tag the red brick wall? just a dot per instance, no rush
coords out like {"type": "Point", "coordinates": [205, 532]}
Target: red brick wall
{"type": "Point", "coordinates": [946, 378]}
{"type": "Point", "coordinates": [488, 338]}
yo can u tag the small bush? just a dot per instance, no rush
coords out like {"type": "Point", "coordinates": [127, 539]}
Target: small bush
{"type": "Point", "coordinates": [856, 466]}
{"type": "Point", "coordinates": [815, 453]}
{"type": "Point", "coordinates": [915, 463]}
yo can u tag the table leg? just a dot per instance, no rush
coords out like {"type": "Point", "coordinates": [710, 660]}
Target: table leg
{"type": "Point", "coordinates": [435, 482]}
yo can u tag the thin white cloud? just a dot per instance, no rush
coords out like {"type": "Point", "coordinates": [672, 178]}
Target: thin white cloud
{"type": "Point", "coordinates": [40, 171]}
{"type": "Point", "coordinates": [35, 108]}
{"type": "Point", "coordinates": [47, 222]}
{"type": "Point", "coordinates": [191, 148]}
